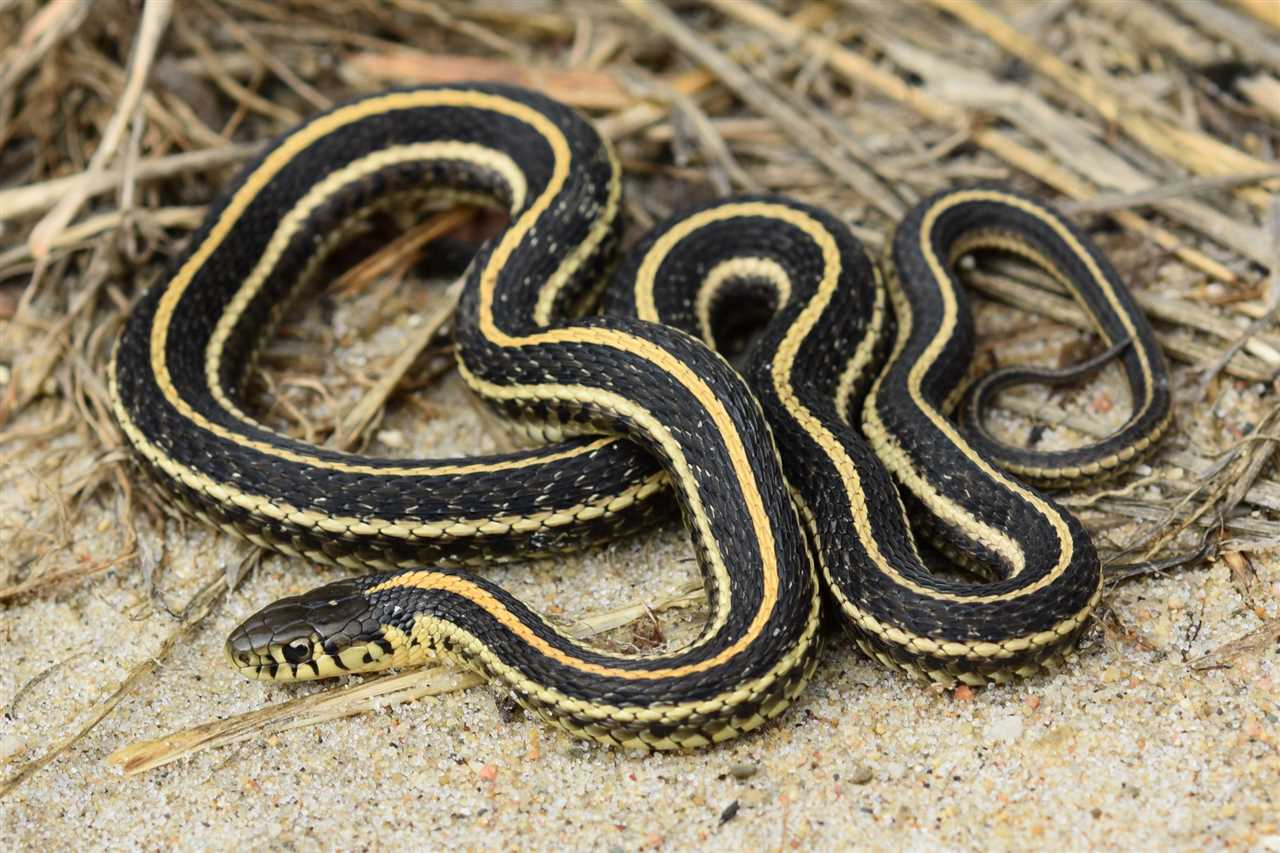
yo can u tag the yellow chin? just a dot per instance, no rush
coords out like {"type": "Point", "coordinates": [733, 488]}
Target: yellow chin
{"type": "Point", "coordinates": [272, 666]}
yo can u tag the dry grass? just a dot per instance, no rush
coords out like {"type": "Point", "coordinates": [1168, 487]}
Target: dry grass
{"type": "Point", "coordinates": [1155, 123]}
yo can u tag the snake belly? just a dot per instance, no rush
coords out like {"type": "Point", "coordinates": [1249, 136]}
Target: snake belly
{"type": "Point", "coordinates": [176, 377]}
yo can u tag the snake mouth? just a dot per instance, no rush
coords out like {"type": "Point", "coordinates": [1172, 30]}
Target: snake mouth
{"type": "Point", "coordinates": [304, 660]}
{"type": "Point", "coordinates": [295, 661]}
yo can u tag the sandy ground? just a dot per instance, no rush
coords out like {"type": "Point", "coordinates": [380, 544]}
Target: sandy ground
{"type": "Point", "coordinates": [1133, 745]}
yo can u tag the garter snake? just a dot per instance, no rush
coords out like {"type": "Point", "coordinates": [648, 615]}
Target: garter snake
{"type": "Point", "coordinates": [640, 405]}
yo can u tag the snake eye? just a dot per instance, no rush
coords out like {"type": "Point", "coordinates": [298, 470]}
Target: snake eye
{"type": "Point", "coordinates": [297, 651]}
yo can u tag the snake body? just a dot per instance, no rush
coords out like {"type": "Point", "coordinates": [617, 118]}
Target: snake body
{"type": "Point", "coordinates": [643, 404]}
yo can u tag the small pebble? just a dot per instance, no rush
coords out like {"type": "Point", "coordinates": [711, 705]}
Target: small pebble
{"type": "Point", "coordinates": [963, 692]}
{"type": "Point", "coordinates": [489, 773]}
{"type": "Point", "coordinates": [862, 775]}
{"type": "Point", "coordinates": [10, 745]}
{"type": "Point", "coordinates": [392, 438]}
{"type": "Point", "coordinates": [743, 771]}
{"type": "Point", "coordinates": [1006, 729]}
{"type": "Point", "coordinates": [730, 812]}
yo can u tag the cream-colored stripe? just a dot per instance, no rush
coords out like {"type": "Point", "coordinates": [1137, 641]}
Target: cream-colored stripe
{"type": "Point", "coordinates": [866, 347]}
{"type": "Point", "coordinates": [934, 350]}
{"type": "Point", "coordinates": [717, 705]}
{"type": "Point", "coordinates": [602, 221]}
{"type": "Point", "coordinates": [717, 277]}
{"type": "Point", "coordinates": [287, 229]}
{"type": "Point", "coordinates": [784, 363]}
{"type": "Point", "coordinates": [1002, 544]}
{"type": "Point", "coordinates": [407, 529]}
{"type": "Point", "coordinates": [904, 468]}
{"type": "Point", "coordinates": [722, 421]}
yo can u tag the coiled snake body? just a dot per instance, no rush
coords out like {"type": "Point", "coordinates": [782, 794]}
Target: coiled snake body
{"type": "Point", "coordinates": [640, 403]}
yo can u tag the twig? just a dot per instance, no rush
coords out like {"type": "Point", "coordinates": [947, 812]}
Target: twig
{"type": "Point", "coordinates": [1268, 315]}
{"type": "Point", "coordinates": [725, 168]}
{"type": "Point", "coordinates": [155, 17]}
{"type": "Point", "coordinates": [31, 585]}
{"type": "Point", "coordinates": [642, 115]}
{"type": "Point", "coordinates": [1257, 640]}
{"type": "Point", "coordinates": [1193, 149]}
{"type": "Point", "coordinates": [587, 89]}
{"type": "Point", "coordinates": [1173, 189]}
{"type": "Point", "coordinates": [22, 201]}
{"type": "Point", "coordinates": [1115, 574]}
{"type": "Point", "coordinates": [1263, 11]}
{"type": "Point", "coordinates": [1253, 42]}
{"type": "Point", "coordinates": [866, 184]}
{"type": "Point", "coordinates": [233, 88]}
{"type": "Point", "coordinates": [1064, 310]}
{"type": "Point", "coordinates": [353, 425]}
{"type": "Point", "coordinates": [186, 218]}
{"type": "Point", "coordinates": [43, 32]}
{"type": "Point", "coordinates": [469, 29]}
{"type": "Point", "coordinates": [1069, 140]}
{"type": "Point", "coordinates": [255, 48]}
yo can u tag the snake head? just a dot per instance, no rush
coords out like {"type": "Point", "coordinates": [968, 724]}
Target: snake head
{"type": "Point", "coordinates": [327, 632]}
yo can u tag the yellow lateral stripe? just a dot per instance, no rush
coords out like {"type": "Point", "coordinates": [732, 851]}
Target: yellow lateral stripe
{"type": "Point", "coordinates": [933, 350]}
{"type": "Point", "coordinates": [428, 580]}
{"type": "Point", "coordinates": [1006, 546]}
{"type": "Point", "coordinates": [896, 459]}
{"type": "Point", "coordinates": [397, 528]}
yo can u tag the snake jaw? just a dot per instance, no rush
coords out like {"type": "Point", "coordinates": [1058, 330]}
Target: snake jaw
{"type": "Point", "coordinates": [312, 661]}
